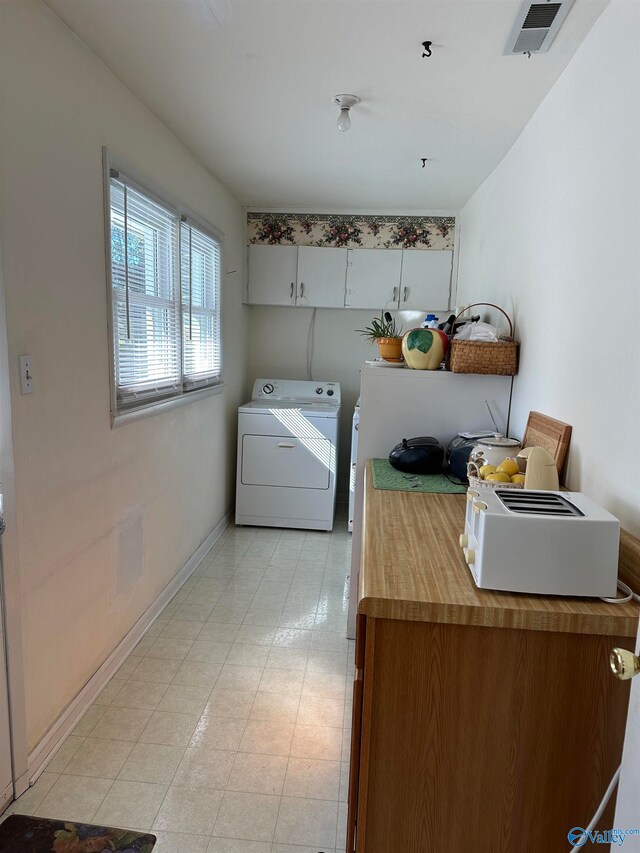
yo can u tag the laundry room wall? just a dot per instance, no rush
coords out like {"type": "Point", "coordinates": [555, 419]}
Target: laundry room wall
{"type": "Point", "coordinates": [82, 487]}
{"type": "Point", "coordinates": [552, 235]}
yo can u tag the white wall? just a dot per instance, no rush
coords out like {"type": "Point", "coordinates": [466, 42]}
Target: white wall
{"type": "Point", "coordinates": [553, 236]}
{"type": "Point", "coordinates": [79, 483]}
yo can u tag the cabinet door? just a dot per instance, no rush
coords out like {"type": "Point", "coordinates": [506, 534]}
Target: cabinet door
{"type": "Point", "coordinates": [356, 731]}
{"type": "Point", "coordinates": [627, 799]}
{"type": "Point", "coordinates": [426, 279]}
{"type": "Point", "coordinates": [373, 278]}
{"type": "Point", "coordinates": [272, 275]}
{"type": "Point", "coordinates": [321, 276]}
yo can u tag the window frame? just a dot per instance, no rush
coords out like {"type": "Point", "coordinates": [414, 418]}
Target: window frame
{"type": "Point", "coordinates": [190, 382]}
{"type": "Point", "coordinates": [188, 393]}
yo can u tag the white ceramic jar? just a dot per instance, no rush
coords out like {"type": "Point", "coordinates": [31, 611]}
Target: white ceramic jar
{"type": "Point", "coordinates": [493, 450]}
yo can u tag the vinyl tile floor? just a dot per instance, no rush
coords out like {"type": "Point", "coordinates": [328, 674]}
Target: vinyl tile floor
{"type": "Point", "coordinates": [227, 729]}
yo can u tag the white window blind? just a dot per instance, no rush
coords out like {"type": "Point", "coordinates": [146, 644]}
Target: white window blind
{"type": "Point", "coordinates": [165, 299]}
{"type": "Point", "coordinates": [202, 357]}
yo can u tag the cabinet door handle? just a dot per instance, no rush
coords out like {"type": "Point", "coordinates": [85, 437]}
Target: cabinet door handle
{"type": "Point", "coordinates": [289, 445]}
{"type": "Point", "coordinates": [394, 298]}
{"type": "Point", "coordinates": [302, 288]}
{"type": "Point", "coordinates": [291, 291]}
{"type": "Point", "coordinates": [404, 294]}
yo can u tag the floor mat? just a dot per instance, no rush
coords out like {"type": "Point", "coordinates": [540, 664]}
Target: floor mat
{"type": "Point", "coordinates": [23, 834]}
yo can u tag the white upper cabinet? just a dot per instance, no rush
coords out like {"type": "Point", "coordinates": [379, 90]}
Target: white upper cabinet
{"type": "Point", "coordinates": [325, 277]}
{"type": "Point", "coordinates": [373, 278]}
{"type": "Point", "coordinates": [425, 283]}
{"type": "Point", "coordinates": [272, 275]}
{"type": "Point", "coordinates": [321, 277]}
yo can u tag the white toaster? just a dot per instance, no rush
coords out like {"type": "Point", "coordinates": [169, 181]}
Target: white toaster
{"type": "Point", "coordinates": [551, 543]}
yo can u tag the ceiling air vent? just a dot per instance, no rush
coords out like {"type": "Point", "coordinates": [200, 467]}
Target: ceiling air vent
{"type": "Point", "coordinates": [535, 27]}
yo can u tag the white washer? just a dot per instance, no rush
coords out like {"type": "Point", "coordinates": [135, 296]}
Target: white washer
{"type": "Point", "coordinates": [287, 454]}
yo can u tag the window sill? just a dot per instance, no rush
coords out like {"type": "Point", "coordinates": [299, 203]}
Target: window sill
{"type": "Point", "coordinates": [151, 409]}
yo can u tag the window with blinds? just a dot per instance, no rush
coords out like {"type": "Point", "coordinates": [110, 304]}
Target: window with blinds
{"type": "Point", "coordinates": [200, 258]}
{"type": "Point", "coordinates": [165, 299]}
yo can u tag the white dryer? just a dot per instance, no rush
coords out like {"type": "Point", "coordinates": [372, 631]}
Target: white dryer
{"type": "Point", "coordinates": [287, 454]}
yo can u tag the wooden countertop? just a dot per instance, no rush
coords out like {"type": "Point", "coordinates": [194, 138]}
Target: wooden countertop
{"type": "Point", "coordinates": [413, 569]}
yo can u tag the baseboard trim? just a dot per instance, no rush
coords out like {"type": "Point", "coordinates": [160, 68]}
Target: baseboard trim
{"type": "Point", "coordinates": [52, 740]}
{"type": "Point", "coordinates": [6, 797]}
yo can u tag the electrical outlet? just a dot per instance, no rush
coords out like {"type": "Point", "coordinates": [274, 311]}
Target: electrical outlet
{"type": "Point", "coordinates": [26, 375]}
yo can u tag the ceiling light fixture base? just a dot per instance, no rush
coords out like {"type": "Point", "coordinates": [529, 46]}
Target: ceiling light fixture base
{"type": "Point", "coordinates": [345, 102]}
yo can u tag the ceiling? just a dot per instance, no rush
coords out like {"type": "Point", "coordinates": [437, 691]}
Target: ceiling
{"type": "Point", "coordinates": [251, 96]}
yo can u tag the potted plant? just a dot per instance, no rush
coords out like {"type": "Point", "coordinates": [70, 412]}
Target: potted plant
{"type": "Point", "coordinates": [386, 333]}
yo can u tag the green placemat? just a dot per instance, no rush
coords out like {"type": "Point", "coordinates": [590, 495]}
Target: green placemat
{"type": "Point", "coordinates": [386, 477]}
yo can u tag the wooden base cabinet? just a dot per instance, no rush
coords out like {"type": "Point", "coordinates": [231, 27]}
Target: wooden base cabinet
{"type": "Point", "coordinates": [483, 739]}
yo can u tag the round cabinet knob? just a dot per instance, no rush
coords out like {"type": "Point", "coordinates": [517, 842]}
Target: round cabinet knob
{"type": "Point", "coordinates": [470, 556]}
{"type": "Point", "coordinates": [464, 540]}
{"type": "Point", "coordinates": [624, 664]}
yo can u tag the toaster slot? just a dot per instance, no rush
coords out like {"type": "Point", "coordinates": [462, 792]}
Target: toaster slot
{"type": "Point", "coordinates": [529, 510]}
{"type": "Point", "coordinates": [538, 503]}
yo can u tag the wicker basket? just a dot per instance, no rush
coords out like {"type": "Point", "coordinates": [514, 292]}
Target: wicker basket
{"type": "Point", "coordinates": [497, 359]}
{"type": "Point", "coordinates": [477, 483]}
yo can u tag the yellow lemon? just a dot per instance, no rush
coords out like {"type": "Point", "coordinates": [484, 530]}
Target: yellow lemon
{"type": "Point", "coordinates": [517, 478]}
{"type": "Point", "coordinates": [498, 477]}
{"type": "Point", "coordinates": [487, 469]}
{"type": "Point", "coordinates": [508, 466]}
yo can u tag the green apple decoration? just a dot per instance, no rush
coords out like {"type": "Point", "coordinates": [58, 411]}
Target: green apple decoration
{"type": "Point", "coordinates": [424, 349]}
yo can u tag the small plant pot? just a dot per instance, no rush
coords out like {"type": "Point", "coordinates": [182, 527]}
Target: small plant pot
{"type": "Point", "coordinates": [390, 349]}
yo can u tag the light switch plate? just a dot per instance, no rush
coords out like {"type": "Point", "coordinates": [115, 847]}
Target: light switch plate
{"type": "Point", "coordinates": [26, 375]}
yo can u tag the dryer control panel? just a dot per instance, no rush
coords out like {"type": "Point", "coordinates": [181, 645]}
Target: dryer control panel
{"type": "Point", "coordinates": [297, 391]}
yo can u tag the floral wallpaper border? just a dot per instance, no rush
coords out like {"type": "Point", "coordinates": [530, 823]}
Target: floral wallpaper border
{"type": "Point", "coordinates": [351, 231]}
